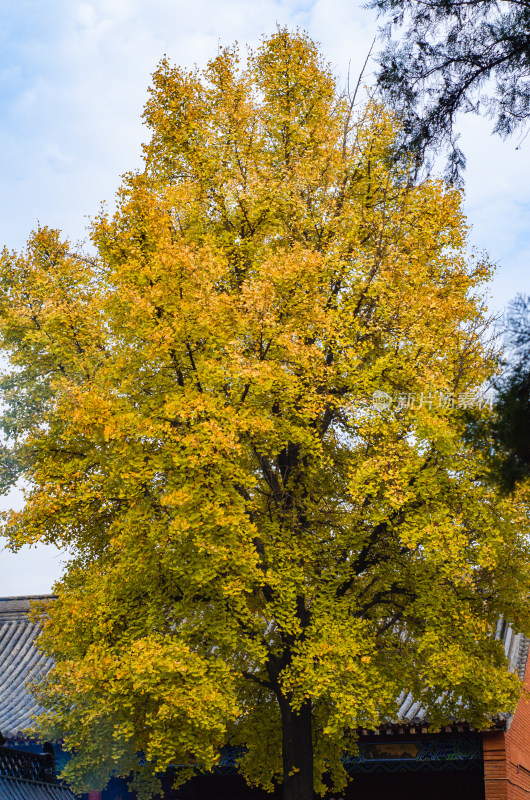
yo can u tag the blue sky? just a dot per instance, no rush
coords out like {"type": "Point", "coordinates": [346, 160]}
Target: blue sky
{"type": "Point", "coordinates": [73, 81]}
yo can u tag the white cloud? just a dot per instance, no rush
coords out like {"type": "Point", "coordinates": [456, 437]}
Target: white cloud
{"type": "Point", "coordinates": [32, 570]}
{"type": "Point", "coordinates": [498, 204]}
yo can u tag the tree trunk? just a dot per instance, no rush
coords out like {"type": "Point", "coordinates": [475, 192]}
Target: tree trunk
{"type": "Point", "coordinates": [297, 751]}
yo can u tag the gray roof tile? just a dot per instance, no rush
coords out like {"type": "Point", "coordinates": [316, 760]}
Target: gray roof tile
{"type": "Point", "coordinates": [516, 649]}
{"type": "Point", "coordinates": [16, 789]}
{"type": "Point", "coordinates": [20, 661]}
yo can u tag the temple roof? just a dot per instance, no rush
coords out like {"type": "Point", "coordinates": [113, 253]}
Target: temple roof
{"type": "Point", "coordinates": [16, 789]}
{"type": "Point", "coordinates": [19, 661]}
{"type": "Point", "coordinates": [516, 649]}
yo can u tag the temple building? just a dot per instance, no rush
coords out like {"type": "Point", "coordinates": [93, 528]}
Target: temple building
{"type": "Point", "coordinates": [27, 767]}
{"type": "Point", "coordinates": [399, 760]}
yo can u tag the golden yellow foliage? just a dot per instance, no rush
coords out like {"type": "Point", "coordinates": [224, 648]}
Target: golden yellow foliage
{"type": "Point", "coordinates": [262, 556]}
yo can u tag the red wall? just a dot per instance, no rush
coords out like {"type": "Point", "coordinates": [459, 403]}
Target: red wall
{"type": "Point", "coordinates": [507, 755]}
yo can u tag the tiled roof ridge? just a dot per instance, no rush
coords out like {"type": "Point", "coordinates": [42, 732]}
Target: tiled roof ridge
{"type": "Point", "coordinates": [516, 648]}
{"type": "Point", "coordinates": [24, 600]}
{"type": "Point", "coordinates": [523, 656]}
{"type": "Point", "coordinates": [16, 608]}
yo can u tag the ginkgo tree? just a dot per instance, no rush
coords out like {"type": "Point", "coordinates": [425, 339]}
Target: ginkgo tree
{"type": "Point", "coordinates": [261, 555]}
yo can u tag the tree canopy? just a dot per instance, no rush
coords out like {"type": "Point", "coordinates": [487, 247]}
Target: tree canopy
{"type": "Point", "coordinates": [456, 55]}
{"type": "Point", "coordinates": [262, 556]}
